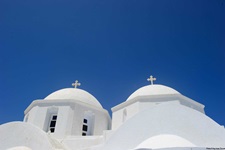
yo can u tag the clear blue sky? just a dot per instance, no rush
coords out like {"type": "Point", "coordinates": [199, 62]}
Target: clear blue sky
{"type": "Point", "coordinates": [111, 47]}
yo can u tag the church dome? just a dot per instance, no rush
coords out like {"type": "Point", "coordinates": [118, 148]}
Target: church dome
{"type": "Point", "coordinates": [155, 89]}
{"type": "Point", "coordinates": [74, 94]}
{"type": "Point", "coordinates": [165, 141]}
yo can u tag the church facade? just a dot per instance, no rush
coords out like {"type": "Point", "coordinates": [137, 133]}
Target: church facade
{"type": "Point", "coordinates": [153, 117]}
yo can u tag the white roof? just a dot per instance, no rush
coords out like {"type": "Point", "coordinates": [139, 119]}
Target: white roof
{"type": "Point", "coordinates": [76, 94]}
{"type": "Point", "coordinates": [155, 89]}
{"type": "Point", "coordinates": [163, 123]}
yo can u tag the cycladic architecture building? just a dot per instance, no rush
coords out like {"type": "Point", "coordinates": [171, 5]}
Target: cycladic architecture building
{"type": "Point", "coordinates": [153, 117]}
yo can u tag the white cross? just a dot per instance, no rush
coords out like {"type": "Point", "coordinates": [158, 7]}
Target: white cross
{"type": "Point", "coordinates": [76, 84]}
{"type": "Point", "coordinates": [151, 79]}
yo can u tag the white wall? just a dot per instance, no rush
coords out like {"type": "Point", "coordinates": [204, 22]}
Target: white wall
{"type": "Point", "coordinates": [137, 104]}
{"type": "Point", "coordinates": [167, 118]}
{"type": "Point", "coordinates": [37, 116]}
{"type": "Point", "coordinates": [101, 119]}
{"type": "Point", "coordinates": [118, 116]}
{"type": "Point", "coordinates": [70, 115]}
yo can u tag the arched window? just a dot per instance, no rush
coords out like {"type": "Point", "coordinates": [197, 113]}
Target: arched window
{"type": "Point", "coordinates": [88, 123]}
{"type": "Point", "coordinates": [51, 119]}
{"type": "Point", "coordinates": [52, 123]}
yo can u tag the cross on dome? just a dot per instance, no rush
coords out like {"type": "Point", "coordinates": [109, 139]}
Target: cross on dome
{"type": "Point", "coordinates": [151, 79]}
{"type": "Point", "coordinates": [76, 84]}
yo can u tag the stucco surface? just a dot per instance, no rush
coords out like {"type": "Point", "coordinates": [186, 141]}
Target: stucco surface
{"type": "Point", "coordinates": [16, 134]}
{"type": "Point", "coordinates": [168, 118]}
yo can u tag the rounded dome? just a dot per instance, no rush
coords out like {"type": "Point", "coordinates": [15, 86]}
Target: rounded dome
{"type": "Point", "coordinates": [154, 89]}
{"type": "Point", "coordinates": [20, 148]}
{"type": "Point", "coordinates": [165, 141]}
{"type": "Point", "coordinates": [25, 136]}
{"type": "Point", "coordinates": [76, 94]}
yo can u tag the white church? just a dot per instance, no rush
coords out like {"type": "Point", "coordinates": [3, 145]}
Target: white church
{"type": "Point", "coordinates": [153, 117]}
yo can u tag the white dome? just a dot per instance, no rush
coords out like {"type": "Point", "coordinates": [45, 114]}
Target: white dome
{"type": "Point", "coordinates": [76, 94]}
{"type": "Point", "coordinates": [154, 89]}
{"type": "Point", "coordinates": [165, 141]}
{"type": "Point", "coordinates": [20, 148]}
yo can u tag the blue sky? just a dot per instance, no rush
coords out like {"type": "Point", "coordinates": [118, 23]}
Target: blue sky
{"type": "Point", "coordinates": [111, 47]}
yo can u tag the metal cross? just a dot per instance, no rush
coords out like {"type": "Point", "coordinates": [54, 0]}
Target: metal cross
{"type": "Point", "coordinates": [76, 84]}
{"type": "Point", "coordinates": [151, 79]}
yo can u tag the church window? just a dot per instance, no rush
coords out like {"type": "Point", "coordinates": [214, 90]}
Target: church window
{"type": "Point", "coordinates": [88, 124]}
{"type": "Point", "coordinates": [52, 123]}
{"type": "Point", "coordinates": [85, 127]}
{"type": "Point", "coordinates": [85, 121]}
{"type": "Point", "coordinates": [84, 134]}
{"type": "Point", "coordinates": [51, 119]}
